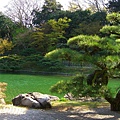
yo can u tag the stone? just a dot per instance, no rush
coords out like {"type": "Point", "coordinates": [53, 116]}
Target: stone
{"type": "Point", "coordinates": [29, 102]}
{"type": "Point", "coordinates": [34, 100]}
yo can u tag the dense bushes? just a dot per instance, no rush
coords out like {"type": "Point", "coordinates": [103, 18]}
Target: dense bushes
{"type": "Point", "coordinates": [10, 63]}
{"type": "Point", "coordinates": [79, 88]}
{"type": "Point", "coordinates": [34, 62]}
{"type": "Point", "coordinates": [49, 65]}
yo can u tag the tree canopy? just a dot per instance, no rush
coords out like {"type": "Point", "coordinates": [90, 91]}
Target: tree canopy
{"type": "Point", "coordinates": [50, 34]}
{"type": "Point", "coordinates": [113, 5]}
{"type": "Point", "coordinates": [6, 27]}
{"type": "Point", "coordinates": [103, 52]}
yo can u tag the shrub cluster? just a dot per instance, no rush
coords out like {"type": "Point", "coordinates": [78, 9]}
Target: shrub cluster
{"type": "Point", "coordinates": [79, 88]}
{"type": "Point", "coordinates": [10, 63]}
{"type": "Point", "coordinates": [33, 62]}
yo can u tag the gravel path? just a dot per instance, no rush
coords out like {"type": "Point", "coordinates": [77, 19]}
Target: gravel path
{"type": "Point", "coordinates": [10, 112]}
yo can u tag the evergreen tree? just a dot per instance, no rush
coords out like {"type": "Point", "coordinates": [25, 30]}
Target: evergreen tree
{"type": "Point", "coordinates": [102, 52]}
{"type": "Point", "coordinates": [49, 8]}
{"type": "Point", "coordinates": [6, 27]}
{"type": "Point", "coordinates": [113, 6]}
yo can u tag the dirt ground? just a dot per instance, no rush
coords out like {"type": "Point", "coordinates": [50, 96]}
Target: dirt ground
{"type": "Point", "coordinates": [10, 112]}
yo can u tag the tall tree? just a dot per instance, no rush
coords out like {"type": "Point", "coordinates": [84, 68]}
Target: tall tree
{"type": "Point", "coordinates": [90, 25]}
{"type": "Point", "coordinates": [49, 8]}
{"type": "Point", "coordinates": [55, 32]}
{"type": "Point", "coordinates": [93, 5]}
{"type": "Point", "coordinates": [102, 52]}
{"type": "Point", "coordinates": [113, 6]}
{"type": "Point", "coordinates": [75, 5]}
{"type": "Point", "coordinates": [21, 11]}
{"type": "Point", "coordinates": [5, 45]}
{"type": "Point", "coordinates": [6, 27]}
{"type": "Point", "coordinates": [44, 39]}
{"type": "Point", "coordinates": [96, 5]}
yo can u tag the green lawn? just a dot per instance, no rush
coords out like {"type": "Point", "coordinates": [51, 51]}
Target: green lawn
{"type": "Point", "coordinates": [37, 83]}
{"type": "Point", "coordinates": [28, 83]}
{"type": "Point", "coordinates": [114, 84]}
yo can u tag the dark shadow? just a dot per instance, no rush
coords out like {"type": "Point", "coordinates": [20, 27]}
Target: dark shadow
{"type": "Point", "coordinates": [92, 114]}
{"type": "Point", "coordinates": [17, 113]}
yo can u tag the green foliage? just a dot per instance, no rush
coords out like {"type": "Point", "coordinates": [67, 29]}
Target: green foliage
{"type": "Point", "coordinates": [84, 41]}
{"type": "Point", "coordinates": [49, 8]}
{"type": "Point", "coordinates": [29, 42]}
{"type": "Point", "coordinates": [64, 54]}
{"type": "Point", "coordinates": [112, 30]}
{"type": "Point", "coordinates": [38, 62]}
{"type": "Point", "coordinates": [42, 40]}
{"type": "Point", "coordinates": [49, 65]}
{"type": "Point", "coordinates": [113, 6]}
{"type": "Point", "coordinates": [78, 87]}
{"type": "Point", "coordinates": [113, 18]}
{"type": "Point", "coordinates": [5, 45]}
{"type": "Point", "coordinates": [63, 100]}
{"type": "Point", "coordinates": [33, 62]}
{"type": "Point", "coordinates": [60, 87]}
{"type": "Point", "coordinates": [91, 25]}
{"type": "Point", "coordinates": [22, 41]}
{"type": "Point", "coordinates": [6, 27]}
{"type": "Point", "coordinates": [30, 62]}
{"type": "Point", "coordinates": [54, 32]}
{"type": "Point", "coordinates": [74, 86]}
{"type": "Point", "coordinates": [27, 52]}
{"type": "Point", "coordinates": [10, 63]}
{"type": "Point", "coordinates": [97, 50]}
{"type": "Point", "coordinates": [82, 22]}
{"type": "Point", "coordinates": [18, 30]}
{"type": "Point", "coordinates": [103, 52]}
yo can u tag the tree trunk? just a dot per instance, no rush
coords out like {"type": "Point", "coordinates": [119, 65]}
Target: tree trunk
{"type": "Point", "coordinates": [114, 102]}
{"type": "Point", "coordinates": [115, 106]}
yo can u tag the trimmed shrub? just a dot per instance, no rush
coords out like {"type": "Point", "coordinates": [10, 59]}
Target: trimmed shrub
{"type": "Point", "coordinates": [50, 65]}
{"type": "Point", "coordinates": [10, 63]}
{"type": "Point", "coordinates": [2, 90]}
{"type": "Point", "coordinates": [78, 87]}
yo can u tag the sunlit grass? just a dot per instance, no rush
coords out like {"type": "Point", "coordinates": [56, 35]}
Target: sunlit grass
{"type": "Point", "coordinates": [18, 84]}
{"type": "Point", "coordinates": [74, 104]}
{"type": "Point", "coordinates": [114, 84]}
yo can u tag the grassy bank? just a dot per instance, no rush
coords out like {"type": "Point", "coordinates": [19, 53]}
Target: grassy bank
{"type": "Point", "coordinates": [18, 84]}
{"type": "Point", "coordinates": [28, 83]}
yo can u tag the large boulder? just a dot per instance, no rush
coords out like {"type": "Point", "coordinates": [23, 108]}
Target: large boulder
{"type": "Point", "coordinates": [17, 100]}
{"type": "Point", "coordinates": [29, 102]}
{"type": "Point", "coordinates": [34, 100]}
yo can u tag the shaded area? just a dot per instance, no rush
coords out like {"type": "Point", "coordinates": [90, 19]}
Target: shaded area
{"type": "Point", "coordinates": [19, 113]}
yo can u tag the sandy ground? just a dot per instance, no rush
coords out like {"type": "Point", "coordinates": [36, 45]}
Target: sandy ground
{"type": "Point", "coordinates": [9, 112]}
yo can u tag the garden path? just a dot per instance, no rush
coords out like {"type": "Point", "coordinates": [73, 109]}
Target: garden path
{"type": "Point", "coordinates": [10, 112]}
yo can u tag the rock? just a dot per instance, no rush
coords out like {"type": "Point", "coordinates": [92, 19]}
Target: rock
{"type": "Point", "coordinates": [53, 98]}
{"type": "Point", "coordinates": [29, 102]}
{"type": "Point", "coordinates": [34, 100]}
{"type": "Point", "coordinates": [17, 100]}
{"type": "Point", "coordinates": [48, 97]}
